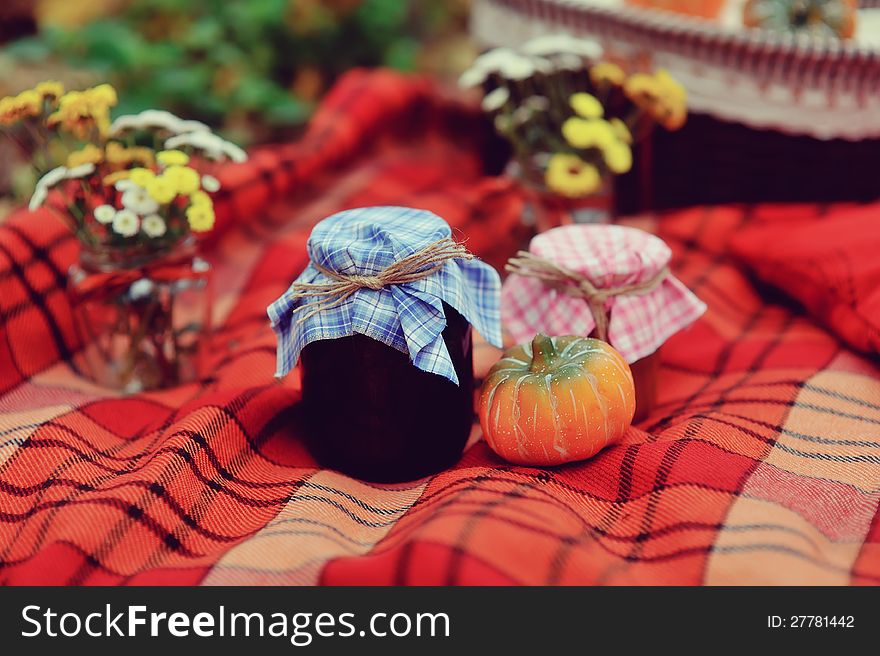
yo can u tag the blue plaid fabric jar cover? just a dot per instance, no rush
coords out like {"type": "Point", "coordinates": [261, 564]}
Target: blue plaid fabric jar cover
{"type": "Point", "coordinates": [408, 317]}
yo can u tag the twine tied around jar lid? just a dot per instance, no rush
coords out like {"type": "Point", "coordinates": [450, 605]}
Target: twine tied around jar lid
{"type": "Point", "coordinates": [417, 266]}
{"type": "Point", "coordinates": [580, 286]}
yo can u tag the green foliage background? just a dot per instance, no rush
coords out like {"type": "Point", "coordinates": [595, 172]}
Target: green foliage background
{"type": "Point", "coordinates": [252, 68]}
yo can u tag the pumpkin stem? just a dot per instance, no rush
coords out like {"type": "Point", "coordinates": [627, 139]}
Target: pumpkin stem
{"type": "Point", "coordinates": [543, 353]}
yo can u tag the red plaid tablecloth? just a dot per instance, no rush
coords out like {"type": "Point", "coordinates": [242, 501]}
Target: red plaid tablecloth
{"type": "Point", "coordinates": [760, 465]}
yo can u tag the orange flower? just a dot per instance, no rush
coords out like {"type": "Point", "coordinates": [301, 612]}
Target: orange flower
{"type": "Point", "coordinates": [15, 108]}
{"type": "Point", "coordinates": [88, 154]}
{"type": "Point", "coordinates": [119, 155]}
{"type": "Point", "coordinates": [660, 95]}
{"type": "Point", "coordinates": [50, 89]}
{"type": "Point", "coordinates": [80, 111]}
{"type": "Point", "coordinates": [607, 73]}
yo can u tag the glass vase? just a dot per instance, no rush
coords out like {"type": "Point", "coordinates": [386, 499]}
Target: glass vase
{"type": "Point", "coordinates": [544, 209]}
{"type": "Point", "coordinates": [143, 317]}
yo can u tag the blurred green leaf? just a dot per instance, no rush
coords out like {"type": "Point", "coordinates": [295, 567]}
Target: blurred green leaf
{"type": "Point", "coordinates": [204, 33]}
{"type": "Point", "coordinates": [402, 54]}
{"type": "Point", "coordinates": [383, 16]}
{"type": "Point", "coordinates": [287, 110]}
{"type": "Point", "coordinates": [111, 44]}
{"type": "Point", "coordinates": [256, 93]}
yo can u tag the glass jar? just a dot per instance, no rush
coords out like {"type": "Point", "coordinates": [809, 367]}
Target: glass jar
{"type": "Point", "coordinates": [380, 323]}
{"type": "Point", "coordinates": [142, 316]}
{"type": "Point", "coordinates": [545, 209]}
{"type": "Point", "coordinates": [609, 282]}
{"type": "Point", "coordinates": [373, 415]}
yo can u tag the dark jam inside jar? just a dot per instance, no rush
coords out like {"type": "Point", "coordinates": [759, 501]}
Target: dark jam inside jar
{"type": "Point", "coordinates": [373, 415]}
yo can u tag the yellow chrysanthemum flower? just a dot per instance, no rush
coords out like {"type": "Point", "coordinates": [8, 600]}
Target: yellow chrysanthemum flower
{"type": "Point", "coordinates": [660, 95]}
{"type": "Point", "coordinates": [618, 157]}
{"type": "Point", "coordinates": [673, 99]}
{"type": "Point", "coordinates": [607, 73]}
{"type": "Point", "coordinates": [642, 89]}
{"type": "Point", "coordinates": [8, 111]}
{"type": "Point", "coordinates": [119, 155]}
{"type": "Point", "coordinates": [185, 180]}
{"type": "Point", "coordinates": [200, 217]}
{"type": "Point", "coordinates": [161, 189]}
{"type": "Point", "coordinates": [586, 105]}
{"type": "Point", "coordinates": [6, 107]}
{"type": "Point", "coordinates": [113, 178]}
{"type": "Point", "coordinates": [50, 89]}
{"type": "Point", "coordinates": [581, 133]}
{"type": "Point", "coordinates": [142, 177]}
{"type": "Point", "coordinates": [15, 108]}
{"type": "Point", "coordinates": [88, 154]}
{"type": "Point", "coordinates": [621, 131]}
{"type": "Point", "coordinates": [571, 176]}
{"type": "Point", "coordinates": [201, 198]}
{"type": "Point", "coordinates": [172, 158]}
{"type": "Point", "coordinates": [72, 103]}
{"type": "Point", "coordinates": [31, 101]}
{"type": "Point", "coordinates": [101, 98]}
{"type": "Point", "coordinates": [104, 93]}
{"type": "Point", "coordinates": [79, 111]}
{"type": "Point", "coordinates": [73, 115]}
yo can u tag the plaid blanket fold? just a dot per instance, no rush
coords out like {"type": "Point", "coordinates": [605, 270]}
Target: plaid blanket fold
{"type": "Point", "coordinates": [760, 465]}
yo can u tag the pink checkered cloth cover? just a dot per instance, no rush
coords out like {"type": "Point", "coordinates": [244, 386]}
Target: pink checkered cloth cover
{"type": "Point", "coordinates": [609, 256]}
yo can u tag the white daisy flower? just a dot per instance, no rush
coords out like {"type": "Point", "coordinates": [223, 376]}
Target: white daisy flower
{"type": "Point", "coordinates": [210, 184]}
{"type": "Point", "coordinates": [80, 171]}
{"type": "Point", "coordinates": [190, 125]}
{"type": "Point", "coordinates": [155, 118]}
{"type": "Point", "coordinates": [518, 68]}
{"type": "Point", "coordinates": [150, 118]}
{"type": "Point", "coordinates": [473, 77]}
{"type": "Point", "coordinates": [494, 59]}
{"type": "Point", "coordinates": [153, 226]}
{"type": "Point", "coordinates": [557, 44]}
{"type": "Point", "coordinates": [213, 146]}
{"type": "Point", "coordinates": [522, 115]}
{"type": "Point", "coordinates": [586, 48]}
{"type": "Point", "coordinates": [124, 185]}
{"type": "Point", "coordinates": [568, 61]}
{"type": "Point", "coordinates": [537, 103]}
{"type": "Point", "coordinates": [38, 197]}
{"type": "Point", "coordinates": [52, 178]}
{"type": "Point", "coordinates": [546, 44]}
{"type": "Point", "coordinates": [140, 289]}
{"type": "Point", "coordinates": [126, 223]}
{"type": "Point", "coordinates": [105, 214]}
{"type": "Point", "coordinates": [542, 65]}
{"type": "Point", "coordinates": [496, 99]}
{"type": "Point", "coordinates": [139, 201]}
{"type": "Point", "coordinates": [502, 124]}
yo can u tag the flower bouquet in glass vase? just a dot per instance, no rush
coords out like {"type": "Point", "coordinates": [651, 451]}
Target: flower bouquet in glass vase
{"type": "Point", "coordinates": [136, 193]}
{"type": "Point", "coordinates": [571, 118]}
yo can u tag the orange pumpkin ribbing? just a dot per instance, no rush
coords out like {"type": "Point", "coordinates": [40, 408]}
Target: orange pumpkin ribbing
{"type": "Point", "coordinates": [556, 400]}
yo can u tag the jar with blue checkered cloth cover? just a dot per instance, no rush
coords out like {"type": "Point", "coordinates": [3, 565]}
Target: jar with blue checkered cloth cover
{"type": "Point", "coordinates": [381, 323]}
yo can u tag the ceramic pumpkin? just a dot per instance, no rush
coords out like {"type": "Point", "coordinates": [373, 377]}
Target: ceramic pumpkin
{"type": "Point", "coordinates": [556, 400]}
